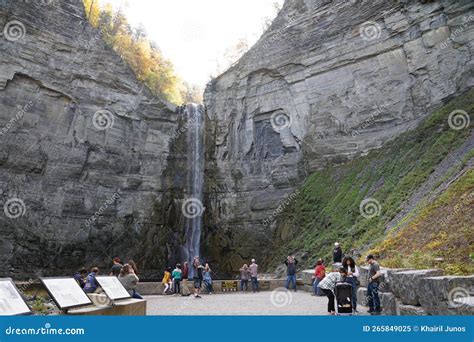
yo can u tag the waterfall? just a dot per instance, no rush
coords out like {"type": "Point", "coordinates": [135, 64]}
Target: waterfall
{"type": "Point", "coordinates": [192, 207]}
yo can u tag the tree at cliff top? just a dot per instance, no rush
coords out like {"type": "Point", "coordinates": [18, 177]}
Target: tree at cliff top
{"type": "Point", "coordinates": [143, 55]}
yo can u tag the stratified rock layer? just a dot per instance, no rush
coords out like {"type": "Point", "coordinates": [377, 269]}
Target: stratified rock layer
{"type": "Point", "coordinates": [64, 168]}
{"type": "Point", "coordinates": [329, 81]}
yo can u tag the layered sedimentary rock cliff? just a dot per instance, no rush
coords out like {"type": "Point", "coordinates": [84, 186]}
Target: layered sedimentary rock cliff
{"type": "Point", "coordinates": [93, 166]}
{"type": "Point", "coordinates": [83, 147]}
{"type": "Point", "coordinates": [329, 81]}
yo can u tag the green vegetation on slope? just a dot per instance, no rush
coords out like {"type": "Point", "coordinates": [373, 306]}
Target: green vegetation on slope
{"type": "Point", "coordinates": [442, 229]}
{"type": "Point", "coordinates": [143, 56]}
{"type": "Point", "coordinates": [327, 209]}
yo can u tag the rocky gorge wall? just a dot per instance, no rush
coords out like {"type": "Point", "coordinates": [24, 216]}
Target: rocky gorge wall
{"type": "Point", "coordinates": [84, 148]}
{"type": "Point", "coordinates": [93, 166]}
{"type": "Point", "coordinates": [328, 82]}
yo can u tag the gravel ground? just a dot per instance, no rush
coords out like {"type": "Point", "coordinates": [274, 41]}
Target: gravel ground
{"type": "Point", "coordinates": [263, 303]}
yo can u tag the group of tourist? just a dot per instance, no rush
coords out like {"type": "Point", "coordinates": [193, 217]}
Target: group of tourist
{"type": "Point", "coordinates": [249, 273]}
{"type": "Point", "coordinates": [345, 270]}
{"type": "Point", "coordinates": [127, 274]}
{"type": "Point", "coordinates": [201, 275]}
{"type": "Point", "coordinates": [175, 281]}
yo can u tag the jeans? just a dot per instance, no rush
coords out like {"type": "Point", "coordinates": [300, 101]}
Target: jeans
{"type": "Point", "coordinates": [291, 279]}
{"type": "Point", "coordinates": [353, 282]}
{"type": "Point", "coordinates": [373, 297]}
{"type": "Point", "coordinates": [136, 295]}
{"type": "Point", "coordinates": [316, 289]}
{"type": "Point", "coordinates": [330, 295]}
{"type": "Point", "coordinates": [254, 282]}
{"type": "Point", "coordinates": [177, 286]}
{"type": "Point", "coordinates": [244, 283]}
{"type": "Point", "coordinates": [209, 287]}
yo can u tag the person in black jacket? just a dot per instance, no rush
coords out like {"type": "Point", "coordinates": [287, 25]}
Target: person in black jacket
{"type": "Point", "coordinates": [291, 263]}
{"type": "Point", "coordinates": [337, 253]}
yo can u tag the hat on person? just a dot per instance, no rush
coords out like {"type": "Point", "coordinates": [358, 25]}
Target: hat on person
{"type": "Point", "coordinates": [336, 244]}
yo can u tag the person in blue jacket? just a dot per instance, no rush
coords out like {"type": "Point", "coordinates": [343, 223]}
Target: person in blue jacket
{"type": "Point", "coordinates": [91, 283]}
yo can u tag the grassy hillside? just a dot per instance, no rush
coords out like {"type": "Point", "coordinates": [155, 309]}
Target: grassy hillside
{"type": "Point", "coordinates": [442, 229]}
{"type": "Point", "coordinates": [327, 208]}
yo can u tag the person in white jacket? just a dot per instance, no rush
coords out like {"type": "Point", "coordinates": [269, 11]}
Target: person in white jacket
{"type": "Point", "coordinates": [352, 278]}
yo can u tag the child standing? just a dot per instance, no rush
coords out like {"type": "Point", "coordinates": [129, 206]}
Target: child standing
{"type": "Point", "coordinates": [166, 280]}
{"type": "Point", "coordinates": [177, 275]}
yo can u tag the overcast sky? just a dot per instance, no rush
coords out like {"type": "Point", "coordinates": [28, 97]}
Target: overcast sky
{"type": "Point", "coordinates": [193, 34]}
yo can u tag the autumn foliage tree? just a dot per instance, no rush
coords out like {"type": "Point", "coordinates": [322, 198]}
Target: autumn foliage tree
{"type": "Point", "coordinates": [143, 56]}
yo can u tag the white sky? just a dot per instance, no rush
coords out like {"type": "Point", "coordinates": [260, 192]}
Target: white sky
{"type": "Point", "coordinates": [194, 34]}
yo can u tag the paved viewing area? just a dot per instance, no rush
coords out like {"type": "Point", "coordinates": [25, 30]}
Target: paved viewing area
{"type": "Point", "coordinates": [262, 303]}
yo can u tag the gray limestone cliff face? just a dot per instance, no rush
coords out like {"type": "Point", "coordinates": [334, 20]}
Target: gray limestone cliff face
{"type": "Point", "coordinates": [84, 194]}
{"type": "Point", "coordinates": [329, 81]}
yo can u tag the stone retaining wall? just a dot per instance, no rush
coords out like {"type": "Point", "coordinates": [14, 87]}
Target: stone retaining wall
{"type": "Point", "coordinates": [421, 292]}
{"type": "Point", "coordinates": [156, 288]}
{"type": "Point", "coordinates": [409, 292]}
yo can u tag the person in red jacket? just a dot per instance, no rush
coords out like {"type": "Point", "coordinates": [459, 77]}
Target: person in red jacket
{"type": "Point", "coordinates": [319, 274]}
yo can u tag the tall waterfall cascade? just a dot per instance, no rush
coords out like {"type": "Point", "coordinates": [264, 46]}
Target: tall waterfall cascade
{"type": "Point", "coordinates": [193, 207]}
